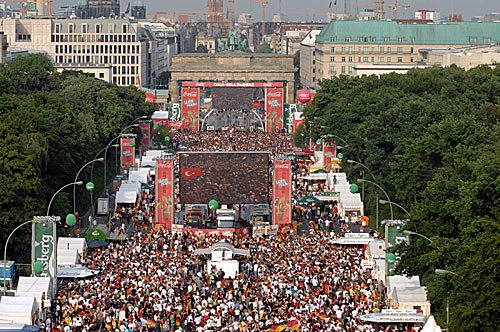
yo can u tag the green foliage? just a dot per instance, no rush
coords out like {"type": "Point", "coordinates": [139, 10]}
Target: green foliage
{"type": "Point", "coordinates": [50, 125]}
{"type": "Point", "coordinates": [431, 139]}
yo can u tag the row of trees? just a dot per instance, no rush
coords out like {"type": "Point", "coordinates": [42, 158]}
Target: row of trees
{"type": "Point", "coordinates": [431, 138]}
{"type": "Point", "coordinates": [51, 124]}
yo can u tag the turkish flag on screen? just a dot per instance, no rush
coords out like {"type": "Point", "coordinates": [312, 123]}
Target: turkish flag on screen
{"type": "Point", "coordinates": [191, 173]}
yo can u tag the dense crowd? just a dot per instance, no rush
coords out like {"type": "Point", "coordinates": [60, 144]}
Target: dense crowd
{"type": "Point", "coordinates": [153, 281]}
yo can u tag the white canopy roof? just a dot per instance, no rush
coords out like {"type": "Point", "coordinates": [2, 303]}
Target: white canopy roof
{"type": "Point", "coordinates": [130, 186]}
{"type": "Point", "coordinates": [154, 153]}
{"type": "Point", "coordinates": [71, 243]}
{"type": "Point", "coordinates": [148, 161]}
{"type": "Point", "coordinates": [431, 325]}
{"type": "Point", "coordinates": [34, 286]}
{"type": "Point", "coordinates": [126, 197]}
{"type": "Point", "coordinates": [160, 115]}
{"type": "Point", "coordinates": [67, 257]}
{"type": "Point", "coordinates": [350, 201]}
{"type": "Point", "coordinates": [138, 176]}
{"type": "Point", "coordinates": [402, 282]}
{"type": "Point", "coordinates": [75, 271]}
{"type": "Point", "coordinates": [19, 310]}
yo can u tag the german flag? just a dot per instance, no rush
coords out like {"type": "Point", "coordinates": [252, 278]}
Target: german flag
{"type": "Point", "coordinates": [293, 325]}
{"type": "Point", "coordinates": [278, 328]}
{"type": "Point", "coordinates": [150, 322]}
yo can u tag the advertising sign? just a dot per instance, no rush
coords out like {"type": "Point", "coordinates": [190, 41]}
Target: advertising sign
{"type": "Point", "coordinates": [190, 102]}
{"type": "Point", "coordinates": [127, 152]}
{"type": "Point", "coordinates": [164, 187]}
{"type": "Point", "coordinates": [43, 245]}
{"type": "Point", "coordinates": [282, 192]}
{"type": "Point", "coordinates": [274, 109]}
{"type": "Point", "coordinates": [329, 152]}
{"type": "Point", "coordinates": [233, 84]}
{"type": "Point", "coordinates": [290, 110]}
{"type": "Point", "coordinates": [145, 128]}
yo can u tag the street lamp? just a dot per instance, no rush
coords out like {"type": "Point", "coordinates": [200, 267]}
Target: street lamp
{"type": "Point", "coordinates": [350, 161]}
{"type": "Point", "coordinates": [76, 179]}
{"type": "Point", "coordinates": [5, 256]}
{"type": "Point", "coordinates": [57, 192]}
{"type": "Point", "coordinates": [385, 193]}
{"type": "Point", "coordinates": [383, 201]}
{"type": "Point", "coordinates": [338, 137]}
{"type": "Point", "coordinates": [441, 272]}
{"type": "Point", "coordinates": [418, 234]}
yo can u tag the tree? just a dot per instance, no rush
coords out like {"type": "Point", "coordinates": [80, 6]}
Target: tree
{"type": "Point", "coordinates": [264, 48]}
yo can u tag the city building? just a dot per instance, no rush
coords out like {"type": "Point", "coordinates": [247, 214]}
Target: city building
{"type": "Point", "coordinates": [307, 60]}
{"type": "Point", "coordinates": [102, 71]}
{"type": "Point", "coordinates": [166, 40]}
{"type": "Point", "coordinates": [466, 58]}
{"type": "Point", "coordinates": [97, 8]}
{"type": "Point", "coordinates": [138, 10]}
{"type": "Point", "coordinates": [368, 69]}
{"type": "Point", "coordinates": [428, 15]}
{"type": "Point", "coordinates": [122, 43]}
{"type": "Point", "coordinates": [288, 36]}
{"type": "Point", "coordinates": [342, 45]}
{"type": "Point", "coordinates": [3, 47]}
{"type": "Point", "coordinates": [232, 67]}
{"type": "Point", "coordinates": [491, 17]}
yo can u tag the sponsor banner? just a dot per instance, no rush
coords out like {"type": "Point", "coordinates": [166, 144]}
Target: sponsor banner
{"type": "Point", "coordinates": [233, 84]}
{"type": "Point", "coordinates": [297, 120]}
{"type": "Point", "coordinates": [43, 246]}
{"type": "Point", "coordinates": [290, 110]}
{"type": "Point", "coordinates": [241, 232]}
{"type": "Point", "coordinates": [150, 98]}
{"type": "Point", "coordinates": [127, 152]}
{"type": "Point", "coordinates": [145, 128]}
{"type": "Point", "coordinates": [274, 109]}
{"type": "Point", "coordinates": [329, 153]}
{"type": "Point", "coordinates": [190, 108]}
{"type": "Point", "coordinates": [164, 195]}
{"type": "Point", "coordinates": [282, 192]}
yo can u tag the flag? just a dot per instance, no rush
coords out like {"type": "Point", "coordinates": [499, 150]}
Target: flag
{"type": "Point", "coordinates": [128, 9]}
{"type": "Point", "coordinates": [293, 325]}
{"type": "Point", "coordinates": [191, 173]}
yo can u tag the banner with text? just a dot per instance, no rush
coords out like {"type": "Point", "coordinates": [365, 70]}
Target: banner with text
{"type": "Point", "coordinates": [43, 245]}
{"type": "Point", "coordinates": [164, 188]}
{"type": "Point", "coordinates": [127, 152]}
{"type": "Point", "coordinates": [146, 134]}
{"type": "Point", "coordinates": [190, 108]}
{"type": "Point", "coordinates": [329, 152]}
{"type": "Point", "coordinates": [274, 109]}
{"type": "Point", "coordinates": [282, 192]}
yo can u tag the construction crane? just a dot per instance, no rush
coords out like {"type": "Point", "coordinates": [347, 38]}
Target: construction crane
{"type": "Point", "coordinates": [380, 6]}
{"type": "Point", "coordinates": [264, 4]}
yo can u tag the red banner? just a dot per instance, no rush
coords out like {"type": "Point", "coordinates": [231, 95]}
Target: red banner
{"type": "Point", "coordinates": [146, 134]}
{"type": "Point", "coordinates": [297, 120]}
{"type": "Point", "coordinates": [274, 109]}
{"type": "Point", "coordinates": [329, 152]}
{"type": "Point", "coordinates": [164, 193]}
{"type": "Point", "coordinates": [127, 152]}
{"type": "Point", "coordinates": [282, 192]}
{"type": "Point", "coordinates": [190, 108]}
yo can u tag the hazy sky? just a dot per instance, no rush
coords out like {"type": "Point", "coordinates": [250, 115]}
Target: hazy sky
{"type": "Point", "coordinates": [303, 9]}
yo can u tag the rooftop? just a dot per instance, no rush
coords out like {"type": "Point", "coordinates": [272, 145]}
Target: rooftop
{"type": "Point", "coordinates": [391, 32]}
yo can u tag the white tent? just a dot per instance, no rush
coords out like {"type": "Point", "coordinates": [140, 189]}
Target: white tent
{"type": "Point", "coordinates": [137, 176]}
{"type": "Point", "coordinates": [67, 257]}
{"type": "Point", "coordinates": [154, 153]}
{"type": "Point", "coordinates": [130, 186]}
{"type": "Point", "coordinates": [71, 243]}
{"type": "Point", "coordinates": [148, 161]}
{"type": "Point", "coordinates": [19, 310]}
{"type": "Point", "coordinates": [431, 325]}
{"type": "Point", "coordinates": [75, 271]}
{"type": "Point", "coordinates": [126, 197]}
{"type": "Point", "coordinates": [34, 286]}
{"type": "Point", "coordinates": [350, 202]}
{"type": "Point", "coordinates": [411, 298]}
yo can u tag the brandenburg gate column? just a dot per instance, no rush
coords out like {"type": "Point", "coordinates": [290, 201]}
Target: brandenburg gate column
{"type": "Point", "coordinates": [173, 90]}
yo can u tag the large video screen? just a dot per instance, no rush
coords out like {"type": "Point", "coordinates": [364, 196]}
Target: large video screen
{"type": "Point", "coordinates": [229, 178]}
{"type": "Point", "coordinates": [232, 98]}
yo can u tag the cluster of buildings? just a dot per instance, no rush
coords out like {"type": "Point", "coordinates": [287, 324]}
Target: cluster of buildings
{"type": "Point", "coordinates": [121, 46]}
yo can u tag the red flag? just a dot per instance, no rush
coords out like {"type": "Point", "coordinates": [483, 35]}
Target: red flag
{"type": "Point", "coordinates": [191, 173]}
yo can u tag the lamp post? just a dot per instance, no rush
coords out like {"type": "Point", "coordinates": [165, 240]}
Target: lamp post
{"type": "Point", "coordinates": [385, 193]}
{"type": "Point", "coordinates": [5, 255]}
{"type": "Point", "coordinates": [338, 137]}
{"type": "Point", "coordinates": [417, 234]}
{"type": "Point", "coordinates": [441, 272]}
{"type": "Point", "coordinates": [350, 161]}
{"type": "Point", "coordinates": [383, 201]}
{"type": "Point", "coordinates": [57, 192]}
{"type": "Point", "coordinates": [76, 179]}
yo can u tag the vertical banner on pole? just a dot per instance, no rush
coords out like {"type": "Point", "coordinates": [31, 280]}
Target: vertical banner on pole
{"type": "Point", "coordinates": [145, 128]}
{"type": "Point", "coordinates": [282, 192]}
{"type": "Point", "coordinates": [190, 108]}
{"type": "Point", "coordinates": [328, 154]}
{"type": "Point", "coordinates": [274, 109]}
{"type": "Point", "coordinates": [43, 246]}
{"type": "Point", "coordinates": [127, 152]}
{"type": "Point", "coordinates": [164, 193]}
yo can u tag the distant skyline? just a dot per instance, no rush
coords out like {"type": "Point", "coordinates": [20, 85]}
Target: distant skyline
{"type": "Point", "coordinates": [307, 9]}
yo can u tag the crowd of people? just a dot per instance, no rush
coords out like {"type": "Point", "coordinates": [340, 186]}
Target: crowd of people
{"type": "Point", "coordinates": [153, 281]}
